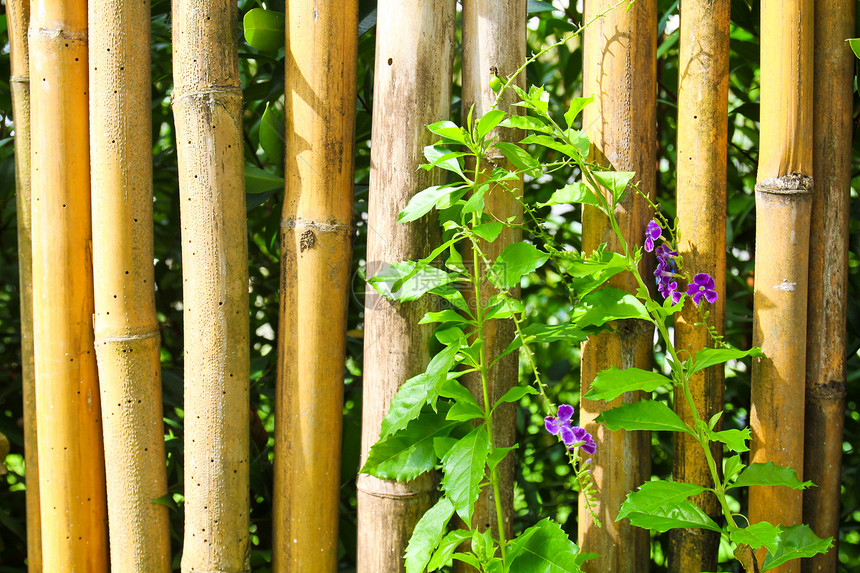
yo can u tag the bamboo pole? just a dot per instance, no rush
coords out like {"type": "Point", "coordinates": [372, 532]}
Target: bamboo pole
{"type": "Point", "coordinates": [828, 274]}
{"type": "Point", "coordinates": [783, 201]}
{"type": "Point", "coordinates": [18, 20]}
{"type": "Point", "coordinates": [71, 463]}
{"type": "Point", "coordinates": [316, 254]}
{"type": "Point", "coordinates": [619, 70]}
{"type": "Point", "coordinates": [126, 330]}
{"type": "Point", "coordinates": [414, 51]}
{"type": "Point", "coordinates": [702, 148]}
{"type": "Point", "coordinates": [207, 107]}
{"type": "Point", "coordinates": [494, 43]}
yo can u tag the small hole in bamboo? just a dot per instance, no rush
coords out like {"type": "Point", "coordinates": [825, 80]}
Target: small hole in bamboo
{"type": "Point", "coordinates": [390, 61]}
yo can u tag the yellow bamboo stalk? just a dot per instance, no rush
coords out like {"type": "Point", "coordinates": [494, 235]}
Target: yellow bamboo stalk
{"type": "Point", "coordinates": [783, 201]}
{"type": "Point", "coordinates": [126, 329]}
{"type": "Point", "coordinates": [619, 70]}
{"type": "Point", "coordinates": [702, 147]}
{"type": "Point", "coordinates": [414, 51]}
{"type": "Point", "coordinates": [828, 273]}
{"type": "Point", "coordinates": [494, 43]}
{"type": "Point", "coordinates": [316, 254]}
{"type": "Point", "coordinates": [72, 480]}
{"type": "Point", "coordinates": [207, 107]}
{"type": "Point", "coordinates": [18, 20]}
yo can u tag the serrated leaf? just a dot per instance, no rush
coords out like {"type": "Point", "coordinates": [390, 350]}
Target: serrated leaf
{"type": "Point", "coordinates": [444, 158]}
{"type": "Point", "coordinates": [607, 304]}
{"type": "Point", "coordinates": [453, 296]}
{"type": "Point", "coordinates": [448, 130]}
{"type": "Point", "coordinates": [501, 306]}
{"type": "Point", "coordinates": [681, 515]}
{"type": "Point", "coordinates": [736, 440]}
{"type": "Point", "coordinates": [544, 548]}
{"type": "Point", "coordinates": [590, 273]}
{"type": "Point", "coordinates": [443, 555]}
{"type": "Point", "coordinates": [408, 453]}
{"type": "Point", "coordinates": [769, 474]}
{"type": "Point", "coordinates": [418, 390]}
{"type": "Point", "coordinates": [488, 231]}
{"type": "Point", "coordinates": [515, 261]}
{"type": "Point", "coordinates": [796, 542]}
{"type": "Point", "coordinates": [264, 29]}
{"type": "Point", "coordinates": [576, 106]}
{"type": "Point", "coordinates": [464, 467]}
{"type": "Point", "coordinates": [712, 356]}
{"type": "Point", "coordinates": [497, 455]}
{"type": "Point", "coordinates": [412, 285]}
{"type": "Point", "coordinates": [427, 534]}
{"type": "Point", "coordinates": [613, 382]}
{"type": "Point", "coordinates": [654, 494]}
{"type": "Point", "coordinates": [489, 121]}
{"type": "Point", "coordinates": [615, 181]}
{"type": "Point", "coordinates": [272, 135]}
{"type": "Point", "coordinates": [761, 534]}
{"type": "Point", "coordinates": [643, 415]}
{"type": "Point", "coordinates": [520, 158]}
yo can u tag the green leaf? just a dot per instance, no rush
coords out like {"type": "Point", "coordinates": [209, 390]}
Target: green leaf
{"type": "Point", "coordinates": [576, 106]}
{"type": "Point", "coordinates": [427, 534]}
{"type": "Point", "coordinates": [643, 415]}
{"type": "Point", "coordinates": [464, 469]}
{"type": "Point", "coordinates": [520, 158]}
{"type": "Point", "coordinates": [264, 29]}
{"type": "Point", "coordinates": [527, 122]}
{"type": "Point", "coordinates": [272, 135]}
{"type": "Point", "coordinates": [443, 158]}
{"type": "Point", "coordinates": [413, 285]}
{"type": "Point", "coordinates": [712, 356]}
{"type": "Point", "coordinates": [571, 151]}
{"type": "Point", "coordinates": [476, 200]}
{"type": "Point", "coordinates": [408, 453]}
{"type": "Point", "coordinates": [615, 181]}
{"type": "Point", "coordinates": [592, 272]}
{"type": "Point", "coordinates": [444, 553]}
{"type": "Point", "coordinates": [599, 307]}
{"type": "Point", "coordinates": [502, 306]}
{"type": "Point", "coordinates": [489, 121]}
{"type": "Point", "coordinates": [544, 548]}
{"type": "Point", "coordinates": [446, 315]}
{"type": "Point", "coordinates": [732, 467]}
{"type": "Point", "coordinates": [681, 515]}
{"type": "Point", "coordinates": [796, 542]}
{"type": "Point", "coordinates": [449, 130]}
{"type": "Point", "coordinates": [259, 181]}
{"type": "Point", "coordinates": [613, 382]}
{"type": "Point", "coordinates": [736, 440]}
{"type": "Point", "coordinates": [497, 455]}
{"type": "Point", "coordinates": [761, 534]}
{"type": "Point", "coordinates": [488, 231]}
{"type": "Point", "coordinates": [423, 202]}
{"type": "Point", "coordinates": [418, 390]}
{"type": "Point", "coordinates": [855, 45]}
{"type": "Point", "coordinates": [515, 394]}
{"type": "Point", "coordinates": [545, 333]}
{"type": "Point", "coordinates": [453, 296]}
{"type": "Point", "coordinates": [515, 261]}
{"type": "Point", "coordinates": [770, 474]}
{"type": "Point", "coordinates": [535, 6]}
{"type": "Point", "coordinates": [652, 495]}
{"type": "Point", "coordinates": [573, 193]}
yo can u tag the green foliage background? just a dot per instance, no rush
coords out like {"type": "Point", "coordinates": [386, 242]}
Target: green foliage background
{"type": "Point", "coordinates": [543, 479]}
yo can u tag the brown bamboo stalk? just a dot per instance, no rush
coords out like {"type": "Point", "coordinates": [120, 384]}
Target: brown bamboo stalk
{"type": "Point", "coordinates": [828, 274]}
{"type": "Point", "coordinates": [783, 202]}
{"type": "Point", "coordinates": [72, 479]}
{"type": "Point", "coordinates": [619, 70]}
{"type": "Point", "coordinates": [702, 148]}
{"type": "Point", "coordinates": [414, 51]}
{"type": "Point", "coordinates": [207, 107]}
{"type": "Point", "coordinates": [18, 19]}
{"type": "Point", "coordinates": [126, 329]}
{"type": "Point", "coordinates": [316, 253]}
{"type": "Point", "coordinates": [494, 43]}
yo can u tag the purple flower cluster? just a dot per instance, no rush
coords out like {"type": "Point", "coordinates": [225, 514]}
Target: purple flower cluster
{"type": "Point", "coordinates": [702, 284]}
{"type": "Point", "coordinates": [571, 436]}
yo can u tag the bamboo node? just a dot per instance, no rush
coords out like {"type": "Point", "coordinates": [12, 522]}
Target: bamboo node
{"type": "Point", "coordinates": [209, 93]}
{"type": "Point", "coordinates": [331, 226]}
{"type": "Point", "coordinates": [59, 33]}
{"type": "Point", "coordinates": [130, 337]}
{"type": "Point", "coordinates": [19, 79]}
{"type": "Point", "coordinates": [790, 184]}
{"type": "Point", "coordinates": [389, 489]}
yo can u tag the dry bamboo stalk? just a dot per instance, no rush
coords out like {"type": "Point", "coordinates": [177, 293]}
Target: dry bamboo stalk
{"type": "Point", "coordinates": [783, 202]}
{"type": "Point", "coordinates": [18, 15]}
{"type": "Point", "coordinates": [414, 51]}
{"type": "Point", "coordinates": [72, 479]}
{"type": "Point", "coordinates": [494, 43]}
{"type": "Point", "coordinates": [619, 70]}
{"type": "Point", "coordinates": [316, 254]}
{"type": "Point", "coordinates": [207, 107]}
{"type": "Point", "coordinates": [828, 272]}
{"type": "Point", "coordinates": [126, 329]}
{"type": "Point", "coordinates": [702, 148]}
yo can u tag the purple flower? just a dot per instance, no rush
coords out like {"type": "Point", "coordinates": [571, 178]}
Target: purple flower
{"type": "Point", "coordinates": [572, 436]}
{"type": "Point", "coordinates": [556, 425]}
{"type": "Point", "coordinates": [702, 286]}
{"type": "Point", "coordinates": [652, 233]}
